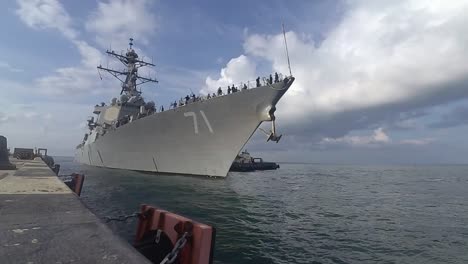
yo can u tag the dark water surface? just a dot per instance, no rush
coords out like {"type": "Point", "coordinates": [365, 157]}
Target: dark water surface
{"type": "Point", "coordinates": [304, 213]}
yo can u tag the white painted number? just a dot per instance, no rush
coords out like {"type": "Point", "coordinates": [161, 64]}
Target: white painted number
{"type": "Point", "coordinates": [195, 122]}
{"type": "Point", "coordinates": [206, 121]}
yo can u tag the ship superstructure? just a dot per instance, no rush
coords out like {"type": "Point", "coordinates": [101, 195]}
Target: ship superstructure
{"type": "Point", "coordinates": [199, 135]}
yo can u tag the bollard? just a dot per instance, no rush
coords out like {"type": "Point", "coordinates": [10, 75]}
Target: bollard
{"type": "Point", "coordinates": [4, 160]}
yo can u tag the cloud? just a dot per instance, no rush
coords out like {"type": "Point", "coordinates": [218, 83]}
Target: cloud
{"type": "Point", "coordinates": [73, 80]}
{"type": "Point", "coordinates": [17, 113]}
{"type": "Point", "coordinates": [378, 137]}
{"type": "Point", "coordinates": [237, 69]}
{"type": "Point", "coordinates": [180, 80]}
{"type": "Point", "coordinates": [456, 117]}
{"type": "Point", "coordinates": [53, 127]}
{"type": "Point", "coordinates": [46, 14]}
{"type": "Point", "coordinates": [50, 14]}
{"type": "Point", "coordinates": [417, 142]}
{"type": "Point", "coordinates": [8, 67]}
{"type": "Point", "coordinates": [30, 114]}
{"type": "Point", "coordinates": [4, 118]}
{"type": "Point", "coordinates": [69, 81]}
{"type": "Point", "coordinates": [135, 19]}
{"type": "Point", "coordinates": [381, 60]}
{"type": "Point", "coordinates": [63, 85]}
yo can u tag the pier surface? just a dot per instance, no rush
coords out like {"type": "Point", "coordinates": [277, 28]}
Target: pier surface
{"type": "Point", "coordinates": [43, 221]}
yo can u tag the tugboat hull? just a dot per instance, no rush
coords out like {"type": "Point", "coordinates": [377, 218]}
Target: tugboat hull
{"type": "Point", "coordinates": [245, 167]}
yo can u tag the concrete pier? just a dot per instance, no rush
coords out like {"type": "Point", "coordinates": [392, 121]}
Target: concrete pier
{"type": "Point", "coordinates": [43, 221]}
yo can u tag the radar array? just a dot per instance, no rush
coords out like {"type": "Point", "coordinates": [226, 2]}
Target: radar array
{"type": "Point", "coordinates": [132, 64]}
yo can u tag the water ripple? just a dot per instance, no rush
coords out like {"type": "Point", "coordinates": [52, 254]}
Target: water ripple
{"type": "Point", "coordinates": [305, 213]}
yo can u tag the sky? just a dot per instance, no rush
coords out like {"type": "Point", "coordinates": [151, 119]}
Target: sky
{"type": "Point", "coordinates": [377, 82]}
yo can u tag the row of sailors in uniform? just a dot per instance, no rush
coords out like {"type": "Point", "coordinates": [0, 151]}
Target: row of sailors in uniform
{"type": "Point", "coordinates": [193, 98]}
{"type": "Point", "coordinates": [150, 108]}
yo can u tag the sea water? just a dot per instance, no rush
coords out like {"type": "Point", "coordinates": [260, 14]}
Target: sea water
{"type": "Point", "coordinates": [303, 213]}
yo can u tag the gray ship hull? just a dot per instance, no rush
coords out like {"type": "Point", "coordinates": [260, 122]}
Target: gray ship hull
{"type": "Point", "coordinates": [201, 138]}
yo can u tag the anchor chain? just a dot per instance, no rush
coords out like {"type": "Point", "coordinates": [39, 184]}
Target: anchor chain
{"type": "Point", "coordinates": [179, 245]}
{"type": "Point", "coordinates": [124, 218]}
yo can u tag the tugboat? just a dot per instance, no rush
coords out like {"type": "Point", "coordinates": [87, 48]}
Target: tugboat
{"type": "Point", "coordinates": [244, 162]}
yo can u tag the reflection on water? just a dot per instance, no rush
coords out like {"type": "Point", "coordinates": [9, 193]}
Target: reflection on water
{"type": "Point", "coordinates": [304, 213]}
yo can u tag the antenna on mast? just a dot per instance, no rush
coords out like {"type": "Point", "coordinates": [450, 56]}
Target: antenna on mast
{"type": "Point", "coordinates": [99, 71]}
{"type": "Point", "coordinates": [129, 77]}
{"type": "Point", "coordinates": [287, 52]}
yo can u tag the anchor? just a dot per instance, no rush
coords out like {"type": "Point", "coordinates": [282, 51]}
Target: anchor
{"type": "Point", "coordinates": [272, 134]}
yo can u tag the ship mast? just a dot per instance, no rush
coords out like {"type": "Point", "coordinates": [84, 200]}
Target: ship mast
{"type": "Point", "coordinates": [132, 64]}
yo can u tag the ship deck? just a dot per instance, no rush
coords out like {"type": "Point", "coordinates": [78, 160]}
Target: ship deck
{"type": "Point", "coordinates": [43, 221]}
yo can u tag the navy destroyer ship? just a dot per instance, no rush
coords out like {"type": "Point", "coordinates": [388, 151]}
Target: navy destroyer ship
{"type": "Point", "coordinates": [199, 135]}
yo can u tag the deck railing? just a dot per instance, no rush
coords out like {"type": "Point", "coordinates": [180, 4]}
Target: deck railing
{"type": "Point", "coordinates": [250, 84]}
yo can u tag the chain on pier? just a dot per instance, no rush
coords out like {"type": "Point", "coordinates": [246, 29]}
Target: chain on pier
{"type": "Point", "coordinates": [121, 218]}
{"type": "Point", "coordinates": [171, 257]}
{"type": "Point", "coordinates": [179, 245]}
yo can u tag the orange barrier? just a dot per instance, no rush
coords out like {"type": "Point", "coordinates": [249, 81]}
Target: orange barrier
{"type": "Point", "coordinates": [76, 183]}
{"type": "Point", "coordinates": [78, 180]}
{"type": "Point", "coordinates": [159, 232]}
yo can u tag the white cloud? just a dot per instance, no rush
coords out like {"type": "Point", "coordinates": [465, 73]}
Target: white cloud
{"type": "Point", "coordinates": [30, 114]}
{"type": "Point", "coordinates": [46, 14]}
{"type": "Point", "coordinates": [73, 80]}
{"type": "Point", "coordinates": [69, 81]}
{"type": "Point", "coordinates": [114, 22]}
{"type": "Point", "coordinates": [4, 118]}
{"type": "Point", "coordinates": [90, 56]}
{"type": "Point", "coordinates": [380, 53]}
{"type": "Point", "coordinates": [237, 69]}
{"type": "Point", "coordinates": [59, 125]}
{"type": "Point", "coordinates": [5, 65]}
{"type": "Point", "coordinates": [58, 132]}
{"type": "Point", "coordinates": [378, 137]}
{"type": "Point", "coordinates": [417, 142]}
